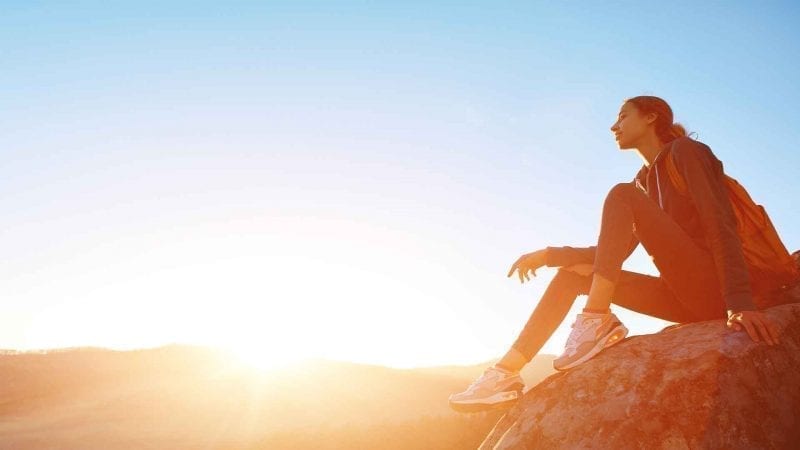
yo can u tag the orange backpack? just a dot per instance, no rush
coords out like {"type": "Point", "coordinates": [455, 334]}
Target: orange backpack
{"type": "Point", "coordinates": [770, 265]}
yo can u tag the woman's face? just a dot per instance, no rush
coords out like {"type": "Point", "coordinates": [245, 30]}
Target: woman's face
{"type": "Point", "coordinates": [631, 126]}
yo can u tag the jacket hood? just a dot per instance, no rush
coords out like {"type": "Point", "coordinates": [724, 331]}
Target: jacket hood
{"type": "Point", "coordinates": [641, 176]}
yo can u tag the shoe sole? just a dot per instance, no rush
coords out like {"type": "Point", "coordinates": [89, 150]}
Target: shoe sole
{"type": "Point", "coordinates": [501, 400]}
{"type": "Point", "coordinates": [614, 337]}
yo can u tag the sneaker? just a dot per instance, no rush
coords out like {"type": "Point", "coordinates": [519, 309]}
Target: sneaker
{"type": "Point", "coordinates": [590, 334]}
{"type": "Point", "coordinates": [495, 388]}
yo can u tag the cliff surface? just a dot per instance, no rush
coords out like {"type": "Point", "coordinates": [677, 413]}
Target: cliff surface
{"type": "Point", "coordinates": [697, 385]}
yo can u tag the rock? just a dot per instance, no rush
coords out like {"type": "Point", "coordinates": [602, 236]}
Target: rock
{"type": "Point", "coordinates": [689, 386]}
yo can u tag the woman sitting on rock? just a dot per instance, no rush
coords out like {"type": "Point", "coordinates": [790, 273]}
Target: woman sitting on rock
{"type": "Point", "coordinates": [692, 239]}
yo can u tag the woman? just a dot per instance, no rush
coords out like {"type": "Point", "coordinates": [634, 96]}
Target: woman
{"type": "Point", "coordinates": [692, 240]}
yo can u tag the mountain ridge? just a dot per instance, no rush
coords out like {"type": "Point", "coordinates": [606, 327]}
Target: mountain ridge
{"type": "Point", "coordinates": [95, 398]}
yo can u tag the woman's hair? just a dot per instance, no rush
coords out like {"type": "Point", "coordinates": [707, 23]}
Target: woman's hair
{"type": "Point", "coordinates": [665, 129]}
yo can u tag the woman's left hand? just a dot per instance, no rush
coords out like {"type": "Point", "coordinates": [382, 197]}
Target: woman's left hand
{"type": "Point", "coordinates": [756, 323]}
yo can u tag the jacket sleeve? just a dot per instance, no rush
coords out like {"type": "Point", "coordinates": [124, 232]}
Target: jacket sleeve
{"type": "Point", "coordinates": [567, 256]}
{"type": "Point", "coordinates": [704, 177]}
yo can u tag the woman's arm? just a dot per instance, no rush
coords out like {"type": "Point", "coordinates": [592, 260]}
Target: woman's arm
{"type": "Point", "coordinates": [568, 256]}
{"type": "Point", "coordinates": [704, 177]}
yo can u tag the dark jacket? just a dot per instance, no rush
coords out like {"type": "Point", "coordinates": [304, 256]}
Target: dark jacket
{"type": "Point", "coordinates": [705, 214]}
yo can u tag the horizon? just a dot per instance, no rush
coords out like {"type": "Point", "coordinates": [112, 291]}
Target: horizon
{"type": "Point", "coordinates": [252, 364]}
{"type": "Point", "coordinates": [350, 181]}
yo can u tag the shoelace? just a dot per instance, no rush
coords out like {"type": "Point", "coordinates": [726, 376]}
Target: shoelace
{"type": "Point", "coordinates": [577, 331]}
{"type": "Point", "coordinates": [488, 373]}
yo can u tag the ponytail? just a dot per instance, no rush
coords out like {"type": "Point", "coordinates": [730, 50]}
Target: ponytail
{"type": "Point", "coordinates": [666, 130]}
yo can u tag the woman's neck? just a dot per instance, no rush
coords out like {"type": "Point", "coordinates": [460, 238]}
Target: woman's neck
{"type": "Point", "coordinates": [649, 149]}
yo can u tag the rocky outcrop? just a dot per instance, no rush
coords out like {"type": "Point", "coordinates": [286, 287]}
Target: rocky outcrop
{"type": "Point", "coordinates": [689, 386]}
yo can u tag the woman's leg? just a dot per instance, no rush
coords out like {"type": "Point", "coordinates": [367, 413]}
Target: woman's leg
{"type": "Point", "coordinates": [637, 292]}
{"type": "Point", "coordinates": [685, 268]}
{"type": "Point", "coordinates": [686, 291]}
{"type": "Point", "coordinates": [554, 305]}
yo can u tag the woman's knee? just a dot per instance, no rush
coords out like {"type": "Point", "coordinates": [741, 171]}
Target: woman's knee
{"type": "Point", "coordinates": [621, 191]}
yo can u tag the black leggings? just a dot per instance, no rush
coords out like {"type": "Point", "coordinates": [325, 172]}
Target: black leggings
{"type": "Point", "coordinates": [687, 290]}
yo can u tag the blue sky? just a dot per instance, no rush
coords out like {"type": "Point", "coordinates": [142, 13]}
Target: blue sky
{"type": "Point", "coordinates": [354, 178]}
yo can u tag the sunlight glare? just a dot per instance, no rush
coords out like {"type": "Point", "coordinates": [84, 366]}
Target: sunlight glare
{"type": "Point", "coordinates": [256, 356]}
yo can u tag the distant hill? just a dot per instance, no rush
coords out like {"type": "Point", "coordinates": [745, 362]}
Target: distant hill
{"type": "Point", "coordinates": [537, 370]}
{"type": "Point", "coordinates": [182, 396]}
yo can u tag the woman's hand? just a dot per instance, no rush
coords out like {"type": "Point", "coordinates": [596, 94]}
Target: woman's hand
{"type": "Point", "coordinates": [756, 323]}
{"type": "Point", "coordinates": [528, 262]}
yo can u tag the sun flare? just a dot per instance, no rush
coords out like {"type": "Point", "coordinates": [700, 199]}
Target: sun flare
{"type": "Point", "coordinates": [256, 356]}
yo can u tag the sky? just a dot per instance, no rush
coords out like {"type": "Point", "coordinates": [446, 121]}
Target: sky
{"type": "Point", "coordinates": [350, 180]}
